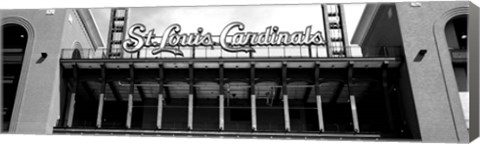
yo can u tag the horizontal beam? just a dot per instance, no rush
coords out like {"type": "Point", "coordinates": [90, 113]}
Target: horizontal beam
{"type": "Point", "coordinates": [226, 60]}
{"type": "Point", "coordinates": [217, 133]}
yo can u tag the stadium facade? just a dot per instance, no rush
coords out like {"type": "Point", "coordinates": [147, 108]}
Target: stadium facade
{"type": "Point", "coordinates": [58, 77]}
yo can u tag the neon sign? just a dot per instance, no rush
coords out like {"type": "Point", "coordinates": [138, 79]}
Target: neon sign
{"type": "Point", "coordinates": [172, 38]}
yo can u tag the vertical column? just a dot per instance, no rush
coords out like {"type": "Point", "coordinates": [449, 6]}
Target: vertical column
{"type": "Point", "coordinates": [71, 110]}
{"type": "Point", "coordinates": [327, 29]}
{"type": "Point", "coordinates": [343, 22]}
{"type": "Point", "coordinates": [101, 97]}
{"type": "Point", "coordinates": [221, 122]}
{"type": "Point", "coordinates": [221, 101]}
{"type": "Point", "coordinates": [388, 104]}
{"type": "Point", "coordinates": [354, 114]}
{"type": "Point", "coordinates": [160, 97]}
{"type": "Point", "coordinates": [253, 98]}
{"type": "Point", "coordinates": [130, 97]}
{"type": "Point", "coordinates": [71, 103]}
{"type": "Point", "coordinates": [321, 126]}
{"type": "Point", "coordinates": [254, 111]}
{"type": "Point", "coordinates": [353, 105]}
{"type": "Point", "coordinates": [100, 110]}
{"type": "Point", "coordinates": [129, 111]}
{"type": "Point", "coordinates": [286, 111]}
{"type": "Point", "coordinates": [190, 111]}
{"type": "Point", "coordinates": [190, 98]}
{"type": "Point", "coordinates": [160, 111]}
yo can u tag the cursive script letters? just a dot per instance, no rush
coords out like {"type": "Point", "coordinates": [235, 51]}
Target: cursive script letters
{"type": "Point", "coordinates": [172, 38]}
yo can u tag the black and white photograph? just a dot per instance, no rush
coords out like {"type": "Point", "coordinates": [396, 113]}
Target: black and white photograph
{"type": "Point", "coordinates": [362, 71]}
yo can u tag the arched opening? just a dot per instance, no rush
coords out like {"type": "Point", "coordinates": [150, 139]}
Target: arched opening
{"type": "Point", "coordinates": [14, 39]}
{"type": "Point", "coordinates": [76, 54]}
{"type": "Point", "coordinates": [456, 34]}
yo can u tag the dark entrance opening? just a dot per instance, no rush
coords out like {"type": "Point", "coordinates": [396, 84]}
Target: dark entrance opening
{"type": "Point", "coordinates": [14, 43]}
{"type": "Point", "coordinates": [456, 34]}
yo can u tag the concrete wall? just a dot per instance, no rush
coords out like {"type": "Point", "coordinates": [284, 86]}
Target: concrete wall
{"type": "Point", "coordinates": [432, 79]}
{"type": "Point", "coordinates": [37, 101]}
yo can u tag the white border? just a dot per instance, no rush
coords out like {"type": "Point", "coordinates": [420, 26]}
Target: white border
{"type": "Point", "coordinates": [74, 139]}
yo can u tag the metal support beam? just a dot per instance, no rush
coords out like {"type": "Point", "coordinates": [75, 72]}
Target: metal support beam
{"type": "Point", "coordinates": [252, 79]}
{"type": "Point", "coordinates": [115, 92]}
{"type": "Point", "coordinates": [221, 101]}
{"type": "Point", "coordinates": [353, 105]}
{"type": "Point", "coordinates": [190, 111]}
{"type": "Point", "coordinates": [166, 91]}
{"type": "Point", "coordinates": [284, 78]}
{"type": "Point", "coordinates": [160, 111]}
{"type": "Point", "coordinates": [71, 110]}
{"type": "Point", "coordinates": [278, 93]}
{"type": "Point", "coordinates": [286, 113]}
{"type": "Point", "coordinates": [101, 97]}
{"type": "Point", "coordinates": [388, 103]}
{"type": "Point", "coordinates": [253, 104]}
{"type": "Point", "coordinates": [308, 91]}
{"type": "Point", "coordinates": [253, 98]}
{"type": "Point", "coordinates": [130, 97]}
{"type": "Point", "coordinates": [191, 80]}
{"type": "Point", "coordinates": [337, 93]}
{"type": "Point", "coordinates": [71, 103]}
{"type": "Point", "coordinates": [141, 93]}
{"type": "Point", "coordinates": [190, 97]}
{"type": "Point", "coordinates": [221, 122]}
{"type": "Point", "coordinates": [316, 81]}
{"type": "Point", "coordinates": [160, 96]}
{"type": "Point", "coordinates": [286, 110]}
{"type": "Point", "coordinates": [316, 74]}
{"type": "Point", "coordinates": [88, 90]}
{"type": "Point", "coordinates": [129, 111]}
{"type": "Point", "coordinates": [100, 110]}
{"type": "Point", "coordinates": [321, 124]}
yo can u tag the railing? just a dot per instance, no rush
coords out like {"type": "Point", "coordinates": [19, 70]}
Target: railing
{"type": "Point", "coordinates": [459, 55]}
{"type": "Point", "coordinates": [218, 53]}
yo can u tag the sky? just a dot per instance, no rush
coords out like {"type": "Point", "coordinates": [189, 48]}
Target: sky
{"type": "Point", "coordinates": [214, 18]}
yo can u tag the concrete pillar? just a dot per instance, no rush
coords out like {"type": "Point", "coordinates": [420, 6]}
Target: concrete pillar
{"type": "Point", "coordinates": [321, 126]}
{"type": "Point", "coordinates": [388, 103]}
{"type": "Point", "coordinates": [161, 98]}
{"type": "Point", "coordinates": [221, 98]}
{"type": "Point", "coordinates": [159, 111]}
{"type": "Point", "coordinates": [129, 111]}
{"type": "Point", "coordinates": [286, 113]}
{"type": "Point", "coordinates": [100, 110]}
{"type": "Point", "coordinates": [130, 96]}
{"type": "Point", "coordinates": [221, 112]}
{"type": "Point", "coordinates": [190, 111]}
{"type": "Point", "coordinates": [353, 105]}
{"type": "Point", "coordinates": [254, 112]}
{"type": "Point", "coordinates": [71, 110]}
